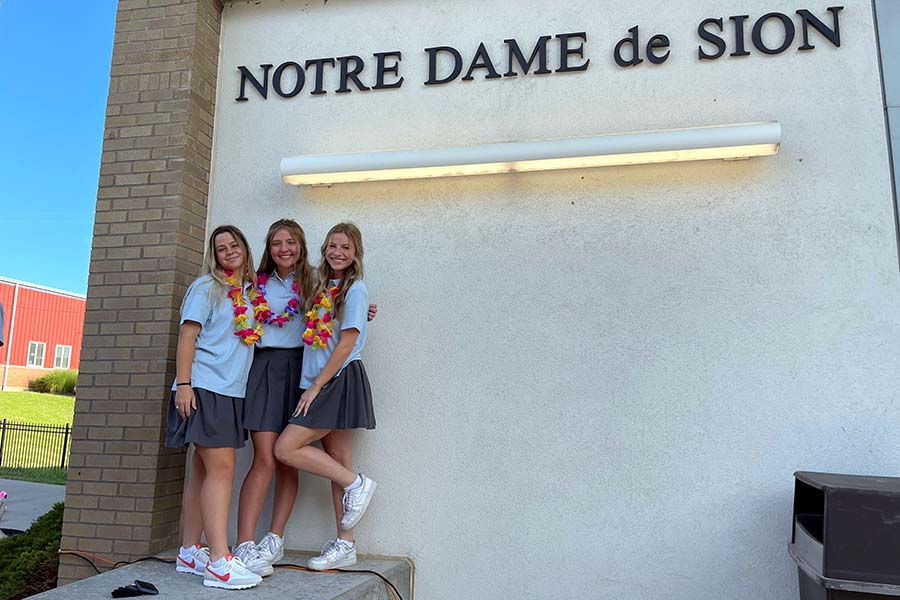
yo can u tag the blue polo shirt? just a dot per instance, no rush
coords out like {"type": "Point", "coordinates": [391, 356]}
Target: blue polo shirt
{"type": "Point", "coordinates": [221, 359]}
{"type": "Point", "coordinates": [356, 311]}
{"type": "Point", "coordinates": [289, 335]}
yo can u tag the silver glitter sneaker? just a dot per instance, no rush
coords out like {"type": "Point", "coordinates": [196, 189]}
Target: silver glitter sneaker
{"type": "Point", "coordinates": [252, 559]}
{"type": "Point", "coordinates": [356, 502]}
{"type": "Point", "coordinates": [336, 554]}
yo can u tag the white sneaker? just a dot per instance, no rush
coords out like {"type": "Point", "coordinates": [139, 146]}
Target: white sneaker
{"type": "Point", "coordinates": [192, 560]}
{"type": "Point", "coordinates": [252, 559]}
{"type": "Point", "coordinates": [335, 554]}
{"type": "Point", "coordinates": [230, 574]}
{"type": "Point", "coordinates": [271, 547]}
{"type": "Point", "coordinates": [356, 502]}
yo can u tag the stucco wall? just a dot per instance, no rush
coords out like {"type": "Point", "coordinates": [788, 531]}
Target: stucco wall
{"type": "Point", "coordinates": [592, 382]}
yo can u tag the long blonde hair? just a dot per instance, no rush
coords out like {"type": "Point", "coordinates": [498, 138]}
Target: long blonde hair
{"type": "Point", "coordinates": [211, 264]}
{"type": "Point", "coordinates": [352, 274]}
{"type": "Point", "coordinates": [303, 272]}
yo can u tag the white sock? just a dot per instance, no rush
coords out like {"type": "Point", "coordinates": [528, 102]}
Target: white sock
{"type": "Point", "coordinates": [185, 552]}
{"type": "Point", "coordinates": [218, 563]}
{"type": "Point", "coordinates": [356, 483]}
{"type": "Point", "coordinates": [348, 542]}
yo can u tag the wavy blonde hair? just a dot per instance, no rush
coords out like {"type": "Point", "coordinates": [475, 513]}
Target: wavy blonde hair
{"type": "Point", "coordinates": [352, 274]}
{"type": "Point", "coordinates": [211, 264]}
{"type": "Point", "coordinates": [303, 271]}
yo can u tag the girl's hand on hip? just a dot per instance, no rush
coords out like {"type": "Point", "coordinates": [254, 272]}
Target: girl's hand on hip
{"type": "Point", "coordinates": [185, 400]}
{"type": "Point", "coordinates": [306, 400]}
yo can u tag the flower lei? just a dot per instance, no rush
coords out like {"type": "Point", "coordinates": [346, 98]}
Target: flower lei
{"type": "Point", "coordinates": [319, 329]}
{"type": "Point", "coordinates": [261, 310]}
{"type": "Point", "coordinates": [290, 311]}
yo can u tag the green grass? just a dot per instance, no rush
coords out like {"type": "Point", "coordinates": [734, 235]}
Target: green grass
{"type": "Point", "coordinates": [32, 407]}
{"type": "Point", "coordinates": [28, 562]}
{"type": "Point", "coordinates": [32, 449]}
{"type": "Point", "coordinates": [57, 476]}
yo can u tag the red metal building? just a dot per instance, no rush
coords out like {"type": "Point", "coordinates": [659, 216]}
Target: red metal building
{"type": "Point", "coordinates": [41, 331]}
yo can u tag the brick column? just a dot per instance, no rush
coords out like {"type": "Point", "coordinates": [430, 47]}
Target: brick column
{"type": "Point", "coordinates": [123, 498]}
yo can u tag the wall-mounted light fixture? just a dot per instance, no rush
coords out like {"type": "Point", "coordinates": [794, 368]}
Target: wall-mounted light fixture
{"type": "Point", "coordinates": [728, 142]}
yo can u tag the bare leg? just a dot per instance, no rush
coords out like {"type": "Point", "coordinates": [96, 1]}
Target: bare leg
{"type": "Point", "coordinates": [256, 484]}
{"type": "Point", "coordinates": [285, 495]}
{"type": "Point", "coordinates": [193, 516]}
{"type": "Point", "coordinates": [292, 448]}
{"type": "Point", "coordinates": [339, 446]}
{"type": "Point", "coordinates": [215, 497]}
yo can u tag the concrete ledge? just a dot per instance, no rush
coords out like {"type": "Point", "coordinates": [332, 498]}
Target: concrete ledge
{"type": "Point", "coordinates": [283, 584]}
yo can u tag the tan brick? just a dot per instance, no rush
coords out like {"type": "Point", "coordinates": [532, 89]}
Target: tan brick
{"type": "Point", "coordinates": [75, 500]}
{"type": "Point", "coordinates": [120, 475]}
{"type": "Point", "coordinates": [86, 474]}
{"type": "Point", "coordinates": [103, 460]}
{"type": "Point", "coordinates": [126, 228]}
{"type": "Point", "coordinates": [79, 529]}
{"type": "Point", "coordinates": [133, 548]}
{"type": "Point", "coordinates": [134, 518]}
{"type": "Point", "coordinates": [95, 545]}
{"type": "Point", "coordinates": [116, 532]}
{"type": "Point", "coordinates": [117, 504]}
{"type": "Point", "coordinates": [123, 447]}
{"type": "Point", "coordinates": [155, 166]}
{"type": "Point", "coordinates": [98, 516]}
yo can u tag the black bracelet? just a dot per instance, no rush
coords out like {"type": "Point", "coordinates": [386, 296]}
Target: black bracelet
{"type": "Point", "coordinates": [177, 384]}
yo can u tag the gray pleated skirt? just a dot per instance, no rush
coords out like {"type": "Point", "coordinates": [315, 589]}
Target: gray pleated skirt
{"type": "Point", "coordinates": [344, 403]}
{"type": "Point", "coordinates": [217, 422]}
{"type": "Point", "coordinates": [273, 388]}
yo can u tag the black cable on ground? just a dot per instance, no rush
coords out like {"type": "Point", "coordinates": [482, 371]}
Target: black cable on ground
{"type": "Point", "coordinates": [386, 581]}
{"type": "Point", "coordinates": [83, 557]}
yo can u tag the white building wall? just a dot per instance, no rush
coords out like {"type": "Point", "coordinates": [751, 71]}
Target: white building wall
{"type": "Point", "coordinates": [592, 383]}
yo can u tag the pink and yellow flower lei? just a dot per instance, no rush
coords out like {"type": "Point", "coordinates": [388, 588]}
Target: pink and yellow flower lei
{"type": "Point", "coordinates": [249, 335]}
{"type": "Point", "coordinates": [290, 311]}
{"type": "Point", "coordinates": [320, 330]}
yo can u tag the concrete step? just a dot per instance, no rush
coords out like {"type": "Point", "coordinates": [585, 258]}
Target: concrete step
{"type": "Point", "coordinates": [284, 584]}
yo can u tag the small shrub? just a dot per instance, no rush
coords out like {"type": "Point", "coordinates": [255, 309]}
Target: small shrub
{"type": "Point", "coordinates": [58, 381]}
{"type": "Point", "coordinates": [28, 561]}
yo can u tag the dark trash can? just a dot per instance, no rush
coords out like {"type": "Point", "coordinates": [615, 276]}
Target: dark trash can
{"type": "Point", "coordinates": [846, 536]}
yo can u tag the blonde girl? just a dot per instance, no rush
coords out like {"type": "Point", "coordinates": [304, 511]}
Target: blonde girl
{"type": "Point", "coordinates": [285, 280]}
{"type": "Point", "coordinates": [335, 393]}
{"type": "Point", "coordinates": [213, 356]}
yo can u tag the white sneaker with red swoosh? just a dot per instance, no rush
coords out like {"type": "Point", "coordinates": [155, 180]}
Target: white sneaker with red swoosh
{"type": "Point", "coordinates": [192, 560]}
{"type": "Point", "coordinates": [230, 573]}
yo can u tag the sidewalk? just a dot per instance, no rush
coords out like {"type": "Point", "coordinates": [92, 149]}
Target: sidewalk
{"type": "Point", "coordinates": [27, 501]}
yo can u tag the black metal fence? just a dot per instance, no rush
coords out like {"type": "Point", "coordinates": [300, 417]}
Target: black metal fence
{"type": "Point", "coordinates": [31, 445]}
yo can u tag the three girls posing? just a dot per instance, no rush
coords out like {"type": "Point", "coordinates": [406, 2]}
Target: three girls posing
{"type": "Point", "coordinates": [225, 312]}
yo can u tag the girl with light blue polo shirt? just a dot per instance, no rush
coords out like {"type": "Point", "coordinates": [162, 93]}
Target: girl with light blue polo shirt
{"type": "Point", "coordinates": [285, 278]}
{"type": "Point", "coordinates": [213, 356]}
{"type": "Point", "coordinates": [335, 393]}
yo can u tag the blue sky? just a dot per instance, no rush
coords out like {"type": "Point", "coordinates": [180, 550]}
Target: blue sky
{"type": "Point", "coordinates": [55, 57]}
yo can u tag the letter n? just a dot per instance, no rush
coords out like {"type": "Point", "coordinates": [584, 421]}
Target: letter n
{"type": "Point", "coordinates": [261, 88]}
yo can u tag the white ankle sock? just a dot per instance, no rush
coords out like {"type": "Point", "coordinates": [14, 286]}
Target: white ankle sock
{"type": "Point", "coordinates": [356, 483]}
{"type": "Point", "coordinates": [218, 563]}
